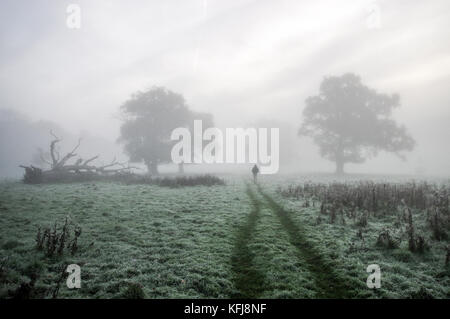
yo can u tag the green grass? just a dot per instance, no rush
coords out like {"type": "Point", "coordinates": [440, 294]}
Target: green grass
{"type": "Point", "coordinates": [201, 242]}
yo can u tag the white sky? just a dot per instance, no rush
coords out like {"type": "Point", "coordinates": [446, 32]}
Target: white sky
{"type": "Point", "coordinates": [239, 60]}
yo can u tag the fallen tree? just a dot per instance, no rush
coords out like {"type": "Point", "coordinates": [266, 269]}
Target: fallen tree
{"type": "Point", "coordinates": [81, 170]}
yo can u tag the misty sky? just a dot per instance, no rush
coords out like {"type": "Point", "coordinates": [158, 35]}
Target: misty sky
{"type": "Point", "coordinates": [239, 60]}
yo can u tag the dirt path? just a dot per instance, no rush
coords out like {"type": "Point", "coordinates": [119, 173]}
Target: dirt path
{"type": "Point", "coordinates": [247, 279]}
{"type": "Point", "coordinates": [328, 283]}
{"type": "Point", "coordinates": [250, 282]}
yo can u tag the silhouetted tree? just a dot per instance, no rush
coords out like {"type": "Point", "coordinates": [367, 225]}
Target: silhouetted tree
{"type": "Point", "coordinates": [149, 119]}
{"type": "Point", "coordinates": [351, 122]}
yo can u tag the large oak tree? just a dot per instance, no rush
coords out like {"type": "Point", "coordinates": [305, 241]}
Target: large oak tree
{"type": "Point", "coordinates": [148, 120]}
{"type": "Point", "coordinates": [351, 122]}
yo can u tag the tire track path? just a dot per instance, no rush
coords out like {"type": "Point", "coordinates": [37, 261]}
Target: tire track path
{"type": "Point", "coordinates": [247, 279]}
{"type": "Point", "coordinates": [329, 284]}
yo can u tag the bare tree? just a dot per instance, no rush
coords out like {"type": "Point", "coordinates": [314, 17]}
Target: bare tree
{"type": "Point", "coordinates": [61, 168]}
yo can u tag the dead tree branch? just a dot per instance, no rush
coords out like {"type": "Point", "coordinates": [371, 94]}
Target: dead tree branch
{"type": "Point", "coordinates": [60, 169]}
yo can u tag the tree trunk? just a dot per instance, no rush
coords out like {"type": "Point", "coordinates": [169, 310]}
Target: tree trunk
{"type": "Point", "coordinates": [152, 168]}
{"type": "Point", "coordinates": [340, 158]}
{"type": "Point", "coordinates": [339, 167]}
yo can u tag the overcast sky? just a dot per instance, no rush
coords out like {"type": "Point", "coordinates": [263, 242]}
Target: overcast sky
{"type": "Point", "coordinates": [239, 60]}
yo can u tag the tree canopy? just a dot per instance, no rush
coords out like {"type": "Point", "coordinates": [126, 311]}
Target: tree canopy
{"type": "Point", "coordinates": [149, 119]}
{"type": "Point", "coordinates": [351, 122]}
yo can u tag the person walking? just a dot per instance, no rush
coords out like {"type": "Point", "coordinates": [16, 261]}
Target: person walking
{"type": "Point", "coordinates": [255, 171]}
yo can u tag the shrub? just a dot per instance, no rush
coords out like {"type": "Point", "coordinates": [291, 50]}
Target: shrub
{"type": "Point", "coordinates": [366, 195]}
{"type": "Point", "coordinates": [416, 243]}
{"type": "Point", "coordinates": [54, 240]}
{"type": "Point", "coordinates": [180, 181]}
{"type": "Point", "coordinates": [386, 240]}
{"type": "Point", "coordinates": [332, 216]}
{"type": "Point", "coordinates": [402, 255]}
{"type": "Point", "coordinates": [134, 291]}
{"type": "Point", "coordinates": [24, 291]}
{"type": "Point", "coordinates": [362, 221]}
{"type": "Point", "coordinates": [421, 244]}
{"type": "Point", "coordinates": [436, 223]}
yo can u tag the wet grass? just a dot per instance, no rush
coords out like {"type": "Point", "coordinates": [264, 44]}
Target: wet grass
{"type": "Point", "coordinates": [201, 242]}
{"type": "Point", "coordinates": [328, 283]}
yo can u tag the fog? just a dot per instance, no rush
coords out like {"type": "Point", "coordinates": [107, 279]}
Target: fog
{"type": "Point", "coordinates": [245, 62]}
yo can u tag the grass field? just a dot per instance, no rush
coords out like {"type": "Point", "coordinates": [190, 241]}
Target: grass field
{"type": "Point", "coordinates": [237, 240]}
